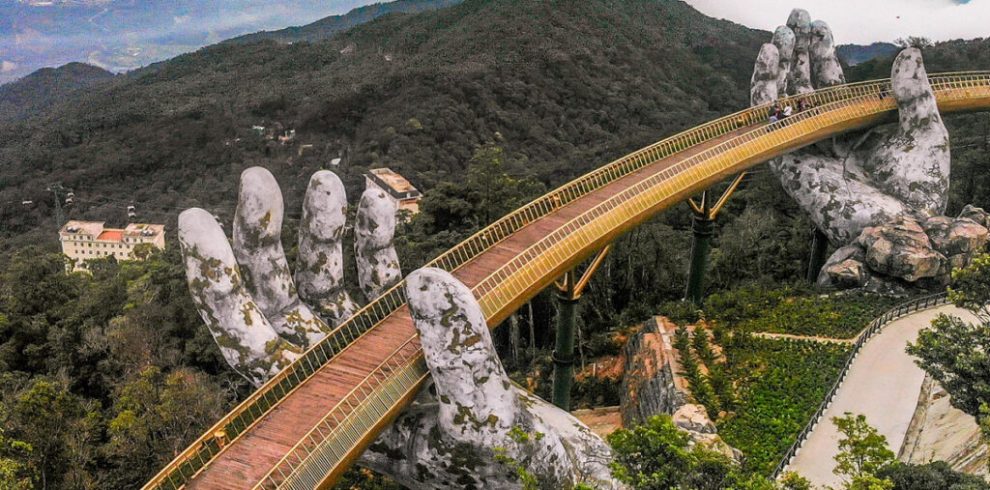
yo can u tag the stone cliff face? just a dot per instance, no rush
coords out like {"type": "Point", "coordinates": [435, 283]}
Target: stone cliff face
{"type": "Point", "coordinates": [878, 195]}
{"type": "Point", "coordinates": [939, 432]}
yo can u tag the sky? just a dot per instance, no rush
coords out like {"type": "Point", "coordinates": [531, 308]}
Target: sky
{"type": "Point", "coordinates": [864, 21]}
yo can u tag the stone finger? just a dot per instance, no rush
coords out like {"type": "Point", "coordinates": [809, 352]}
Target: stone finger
{"type": "Point", "coordinates": [246, 339]}
{"type": "Point", "coordinates": [826, 70]}
{"type": "Point", "coordinates": [377, 261]}
{"type": "Point", "coordinates": [783, 39]}
{"type": "Point", "coordinates": [320, 265]}
{"type": "Point", "coordinates": [799, 80]}
{"type": "Point", "coordinates": [257, 238]}
{"type": "Point", "coordinates": [472, 387]}
{"type": "Point", "coordinates": [763, 84]}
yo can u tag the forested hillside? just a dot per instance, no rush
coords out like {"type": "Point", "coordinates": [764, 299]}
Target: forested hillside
{"type": "Point", "coordinates": [564, 86]}
{"type": "Point", "coordinates": [326, 28]}
{"type": "Point", "coordinates": [43, 88]}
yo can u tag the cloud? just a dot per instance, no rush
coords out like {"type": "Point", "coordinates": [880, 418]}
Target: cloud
{"type": "Point", "coordinates": [7, 66]}
{"type": "Point", "coordinates": [864, 21]}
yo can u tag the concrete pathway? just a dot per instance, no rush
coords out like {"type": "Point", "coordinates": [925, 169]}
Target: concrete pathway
{"type": "Point", "coordinates": [883, 383]}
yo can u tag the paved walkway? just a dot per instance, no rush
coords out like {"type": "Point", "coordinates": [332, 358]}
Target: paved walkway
{"type": "Point", "coordinates": [883, 384]}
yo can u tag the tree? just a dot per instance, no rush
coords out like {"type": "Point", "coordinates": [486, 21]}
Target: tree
{"type": "Point", "coordinates": [657, 455]}
{"type": "Point", "coordinates": [957, 353]}
{"type": "Point", "coordinates": [937, 475]}
{"type": "Point", "coordinates": [862, 453]}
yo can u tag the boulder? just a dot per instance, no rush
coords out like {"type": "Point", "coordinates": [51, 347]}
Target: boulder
{"type": "Point", "coordinates": [901, 249]}
{"type": "Point", "coordinates": [959, 236]}
{"type": "Point", "coordinates": [693, 418]}
{"type": "Point", "coordinates": [976, 214]}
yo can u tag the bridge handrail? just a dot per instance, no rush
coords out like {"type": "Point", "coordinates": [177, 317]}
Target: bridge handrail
{"type": "Point", "coordinates": [512, 278]}
{"type": "Point", "coordinates": [877, 325]}
{"type": "Point", "coordinates": [247, 413]}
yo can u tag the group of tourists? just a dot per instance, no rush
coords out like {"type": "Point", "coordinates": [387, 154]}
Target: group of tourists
{"type": "Point", "coordinates": [778, 113]}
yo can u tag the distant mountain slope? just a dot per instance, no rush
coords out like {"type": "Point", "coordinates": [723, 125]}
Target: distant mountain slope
{"type": "Point", "coordinates": [564, 86]}
{"type": "Point", "coordinates": [44, 87]}
{"type": "Point", "coordinates": [854, 54]}
{"type": "Point", "coordinates": [327, 27]}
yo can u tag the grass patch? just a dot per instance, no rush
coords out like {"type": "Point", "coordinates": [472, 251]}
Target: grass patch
{"type": "Point", "coordinates": [778, 386]}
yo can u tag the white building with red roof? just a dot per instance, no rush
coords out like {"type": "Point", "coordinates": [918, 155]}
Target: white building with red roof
{"type": "Point", "coordinates": [85, 240]}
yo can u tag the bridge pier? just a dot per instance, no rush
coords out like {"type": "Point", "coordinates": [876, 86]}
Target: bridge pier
{"type": "Point", "coordinates": [570, 288]}
{"type": "Point", "coordinates": [703, 227]}
{"type": "Point", "coordinates": [819, 247]}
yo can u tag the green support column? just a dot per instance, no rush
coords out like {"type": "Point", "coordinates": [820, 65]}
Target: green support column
{"type": "Point", "coordinates": [703, 229]}
{"type": "Point", "coordinates": [563, 354]}
{"type": "Point", "coordinates": [819, 246]}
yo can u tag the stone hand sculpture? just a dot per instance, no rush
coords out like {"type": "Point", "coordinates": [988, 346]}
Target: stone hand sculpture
{"type": "Point", "coordinates": [894, 176]}
{"type": "Point", "coordinates": [477, 426]}
{"type": "Point", "coordinates": [455, 437]}
{"type": "Point", "coordinates": [245, 293]}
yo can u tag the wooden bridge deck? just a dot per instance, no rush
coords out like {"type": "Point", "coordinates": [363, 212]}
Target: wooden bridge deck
{"type": "Point", "coordinates": [255, 453]}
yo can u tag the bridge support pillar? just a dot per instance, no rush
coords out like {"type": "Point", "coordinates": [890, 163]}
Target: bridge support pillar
{"type": "Point", "coordinates": [569, 291]}
{"type": "Point", "coordinates": [563, 353]}
{"type": "Point", "coordinates": [819, 247]}
{"type": "Point", "coordinates": [703, 229]}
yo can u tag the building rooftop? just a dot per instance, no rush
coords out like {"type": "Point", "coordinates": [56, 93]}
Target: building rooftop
{"type": "Point", "coordinates": [96, 230]}
{"type": "Point", "coordinates": [393, 181]}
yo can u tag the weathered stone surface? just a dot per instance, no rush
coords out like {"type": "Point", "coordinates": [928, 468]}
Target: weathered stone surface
{"type": "Point", "coordinates": [848, 273]}
{"type": "Point", "coordinates": [377, 261]}
{"type": "Point", "coordinates": [450, 442]}
{"type": "Point", "coordinates": [763, 85]}
{"type": "Point", "coordinates": [901, 249]}
{"type": "Point", "coordinates": [825, 67]}
{"type": "Point", "coordinates": [783, 39]}
{"type": "Point", "coordinates": [649, 381]}
{"type": "Point", "coordinates": [257, 238]}
{"type": "Point", "coordinates": [960, 236]}
{"type": "Point", "coordinates": [913, 165]}
{"type": "Point", "coordinates": [693, 418]}
{"type": "Point", "coordinates": [320, 267]}
{"type": "Point", "coordinates": [976, 214]}
{"type": "Point", "coordinates": [246, 339]}
{"type": "Point", "coordinates": [799, 79]}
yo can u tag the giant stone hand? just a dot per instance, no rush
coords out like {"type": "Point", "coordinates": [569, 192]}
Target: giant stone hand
{"type": "Point", "coordinates": [466, 435]}
{"type": "Point", "coordinates": [875, 191]}
{"type": "Point", "coordinates": [246, 294]}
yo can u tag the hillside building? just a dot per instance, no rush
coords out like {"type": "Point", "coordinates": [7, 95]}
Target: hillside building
{"type": "Point", "coordinates": [399, 190]}
{"type": "Point", "coordinates": [84, 240]}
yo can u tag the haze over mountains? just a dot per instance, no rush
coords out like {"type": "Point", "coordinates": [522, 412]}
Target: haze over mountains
{"type": "Point", "coordinates": [121, 35]}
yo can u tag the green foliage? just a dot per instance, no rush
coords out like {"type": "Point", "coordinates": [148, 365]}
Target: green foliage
{"type": "Point", "coordinates": [863, 453]}
{"type": "Point", "coordinates": [937, 475]}
{"type": "Point", "coordinates": [796, 310]}
{"type": "Point", "coordinates": [106, 377]}
{"type": "Point", "coordinates": [779, 385]}
{"type": "Point", "coordinates": [656, 455]}
{"type": "Point", "coordinates": [955, 352]}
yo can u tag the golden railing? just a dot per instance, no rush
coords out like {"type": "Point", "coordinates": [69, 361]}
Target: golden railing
{"type": "Point", "coordinates": [536, 266]}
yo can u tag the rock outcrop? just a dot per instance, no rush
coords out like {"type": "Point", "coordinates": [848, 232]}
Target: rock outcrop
{"type": "Point", "coordinates": [908, 252]}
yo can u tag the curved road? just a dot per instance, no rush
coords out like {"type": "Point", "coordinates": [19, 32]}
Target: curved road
{"type": "Point", "coordinates": [883, 384]}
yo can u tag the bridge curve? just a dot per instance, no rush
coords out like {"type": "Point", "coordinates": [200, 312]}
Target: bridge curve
{"type": "Point", "coordinates": [307, 424]}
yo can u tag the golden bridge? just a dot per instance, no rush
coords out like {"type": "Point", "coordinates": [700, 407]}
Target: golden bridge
{"type": "Point", "coordinates": [306, 425]}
